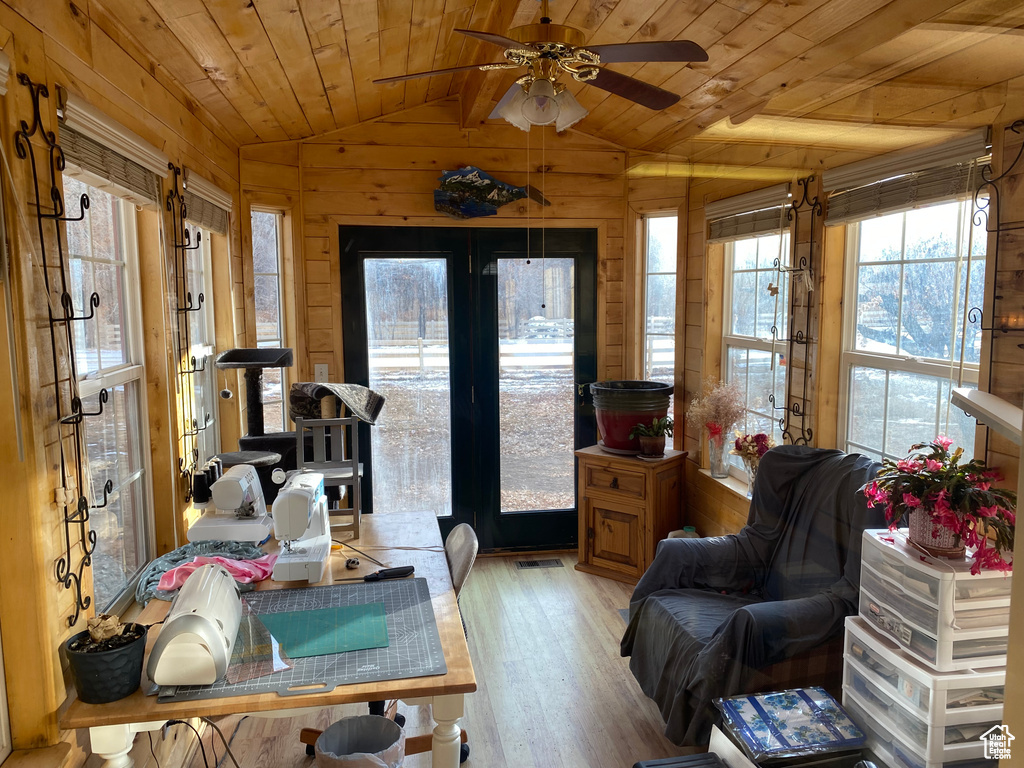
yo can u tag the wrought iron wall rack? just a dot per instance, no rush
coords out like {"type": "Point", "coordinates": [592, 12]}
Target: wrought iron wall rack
{"type": "Point", "coordinates": [801, 268]}
{"type": "Point", "coordinates": [50, 212]}
{"type": "Point", "coordinates": [186, 365]}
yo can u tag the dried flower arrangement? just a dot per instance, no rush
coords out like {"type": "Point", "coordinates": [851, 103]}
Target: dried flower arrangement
{"type": "Point", "coordinates": [719, 406]}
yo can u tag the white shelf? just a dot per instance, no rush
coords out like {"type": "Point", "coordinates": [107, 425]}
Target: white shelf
{"type": "Point", "coordinates": [990, 410]}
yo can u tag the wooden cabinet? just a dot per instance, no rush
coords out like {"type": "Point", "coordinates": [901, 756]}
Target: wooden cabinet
{"type": "Point", "coordinates": [627, 505]}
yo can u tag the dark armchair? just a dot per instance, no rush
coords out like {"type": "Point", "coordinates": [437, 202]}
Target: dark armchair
{"type": "Point", "coordinates": [711, 617]}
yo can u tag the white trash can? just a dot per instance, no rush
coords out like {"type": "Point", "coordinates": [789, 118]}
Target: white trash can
{"type": "Point", "coordinates": [364, 741]}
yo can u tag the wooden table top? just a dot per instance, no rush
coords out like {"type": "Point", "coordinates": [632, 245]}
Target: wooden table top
{"type": "Point", "coordinates": [381, 530]}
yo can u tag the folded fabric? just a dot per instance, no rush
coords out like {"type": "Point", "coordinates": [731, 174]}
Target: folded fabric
{"type": "Point", "coordinates": [147, 589]}
{"type": "Point", "coordinates": [244, 571]}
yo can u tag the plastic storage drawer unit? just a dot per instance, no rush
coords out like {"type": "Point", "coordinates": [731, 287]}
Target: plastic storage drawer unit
{"type": "Point", "coordinates": [934, 608]}
{"type": "Point", "coordinates": [936, 698]}
{"type": "Point", "coordinates": [892, 750]}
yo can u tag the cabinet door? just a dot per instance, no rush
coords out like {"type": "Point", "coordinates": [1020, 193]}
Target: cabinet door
{"type": "Point", "coordinates": [615, 536]}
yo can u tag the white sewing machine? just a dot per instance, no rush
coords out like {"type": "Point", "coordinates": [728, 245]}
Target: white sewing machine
{"type": "Point", "coordinates": [195, 643]}
{"type": "Point", "coordinates": [237, 512]}
{"type": "Point", "coordinates": [302, 526]}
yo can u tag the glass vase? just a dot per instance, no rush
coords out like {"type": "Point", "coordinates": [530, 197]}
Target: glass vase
{"type": "Point", "coordinates": [719, 457]}
{"type": "Point", "coordinates": [751, 465]}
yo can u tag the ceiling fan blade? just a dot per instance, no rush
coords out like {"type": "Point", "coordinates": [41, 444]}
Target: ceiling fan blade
{"type": "Point", "coordinates": [658, 50]}
{"type": "Point", "coordinates": [489, 37]}
{"type": "Point", "coordinates": [630, 88]}
{"type": "Point", "coordinates": [433, 72]}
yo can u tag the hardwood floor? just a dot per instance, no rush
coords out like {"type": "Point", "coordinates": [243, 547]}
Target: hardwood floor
{"type": "Point", "coordinates": [552, 689]}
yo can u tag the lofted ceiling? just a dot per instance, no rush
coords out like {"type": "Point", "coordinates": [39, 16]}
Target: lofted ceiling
{"type": "Point", "coordinates": [848, 77]}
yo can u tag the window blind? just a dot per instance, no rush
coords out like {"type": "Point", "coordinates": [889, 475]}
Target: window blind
{"type": "Point", "coordinates": [754, 213]}
{"type": "Point", "coordinates": [103, 168]}
{"type": "Point", "coordinates": [205, 214]}
{"type": "Point", "coordinates": [902, 192]}
{"type": "Point", "coordinates": [748, 224]}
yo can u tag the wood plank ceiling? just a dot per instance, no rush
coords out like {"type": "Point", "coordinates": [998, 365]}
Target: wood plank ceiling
{"type": "Point", "coordinates": [854, 76]}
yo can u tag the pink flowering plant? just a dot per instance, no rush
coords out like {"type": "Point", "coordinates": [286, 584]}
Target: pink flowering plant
{"type": "Point", "coordinates": [959, 497]}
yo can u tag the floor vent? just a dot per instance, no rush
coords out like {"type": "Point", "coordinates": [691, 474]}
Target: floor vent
{"type": "Point", "coordinates": [553, 563]}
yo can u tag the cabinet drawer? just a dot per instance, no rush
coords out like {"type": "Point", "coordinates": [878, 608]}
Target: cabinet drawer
{"type": "Point", "coordinates": [607, 479]}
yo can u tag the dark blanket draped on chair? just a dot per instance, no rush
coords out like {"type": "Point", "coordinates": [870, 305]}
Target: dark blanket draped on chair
{"type": "Point", "coordinates": [709, 613]}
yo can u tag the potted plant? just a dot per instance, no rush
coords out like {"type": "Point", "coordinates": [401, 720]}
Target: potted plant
{"type": "Point", "coordinates": [105, 660]}
{"type": "Point", "coordinates": [652, 436]}
{"type": "Point", "coordinates": [751, 448]}
{"type": "Point", "coordinates": [948, 505]}
{"type": "Point", "coordinates": [718, 407]}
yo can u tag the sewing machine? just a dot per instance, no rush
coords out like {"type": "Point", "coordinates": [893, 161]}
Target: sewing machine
{"type": "Point", "coordinates": [195, 643]}
{"type": "Point", "coordinates": [302, 526]}
{"type": "Point", "coordinates": [237, 512]}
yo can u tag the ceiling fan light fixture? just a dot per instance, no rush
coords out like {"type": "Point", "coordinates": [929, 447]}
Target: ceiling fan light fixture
{"type": "Point", "coordinates": [513, 110]}
{"type": "Point", "coordinates": [540, 107]}
{"type": "Point", "coordinates": [570, 111]}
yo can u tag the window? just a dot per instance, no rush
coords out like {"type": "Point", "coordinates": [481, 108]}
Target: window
{"type": "Point", "coordinates": [756, 300]}
{"type": "Point", "coordinates": [660, 232]}
{"type": "Point", "coordinates": [913, 274]}
{"type": "Point", "coordinates": [199, 277]}
{"type": "Point", "coordinates": [102, 258]}
{"type": "Point", "coordinates": [266, 258]}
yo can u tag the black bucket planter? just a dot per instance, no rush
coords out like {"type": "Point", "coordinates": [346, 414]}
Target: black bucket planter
{"type": "Point", "coordinates": [105, 676]}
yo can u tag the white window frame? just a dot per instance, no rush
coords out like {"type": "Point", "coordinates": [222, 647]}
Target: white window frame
{"type": "Point", "coordinates": [851, 358]}
{"type": "Point", "coordinates": [281, 338]}
{"type": "Point", "coordinates": [648, 337]}
{"type": "Point", "coordinates": [203, 351]}
{"type": "Point", "coordinates": [752, 343]}
{"type": "Point", "coordinates": [92, 383]}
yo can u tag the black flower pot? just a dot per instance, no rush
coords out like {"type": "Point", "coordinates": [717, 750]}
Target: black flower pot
{"type": "Point", "coordinates": [105, 676]}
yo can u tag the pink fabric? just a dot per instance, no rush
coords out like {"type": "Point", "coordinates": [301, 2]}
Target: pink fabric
{"type": "Point", "coordinates": [244, 571]}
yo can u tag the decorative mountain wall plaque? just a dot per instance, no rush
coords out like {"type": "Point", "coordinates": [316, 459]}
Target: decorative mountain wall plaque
{"type": "Point", "coordinates": [469, 192]}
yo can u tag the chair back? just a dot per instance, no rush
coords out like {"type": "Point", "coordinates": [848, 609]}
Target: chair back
{"type": "Point", "coordinates": [460, 550]}
{"type": "Point", "coordinates": [335, 443]}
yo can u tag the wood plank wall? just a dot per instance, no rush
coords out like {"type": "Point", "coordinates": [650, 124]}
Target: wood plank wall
{"type": "Point", "coordinates": [1006, 280]}
{"type": "Point", "coordinates": [383, 173]}
{"type": "Point", "coordinates": [79, 48]}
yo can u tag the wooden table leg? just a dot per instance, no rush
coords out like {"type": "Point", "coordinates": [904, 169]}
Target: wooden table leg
{"type": "Point", "coordinates": [446, 711]}
{"type": "Point", "coordinates": [112, 743]}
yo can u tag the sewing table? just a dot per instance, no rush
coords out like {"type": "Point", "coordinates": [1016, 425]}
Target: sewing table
{"type": "Point", "coordinates": [112, 727]}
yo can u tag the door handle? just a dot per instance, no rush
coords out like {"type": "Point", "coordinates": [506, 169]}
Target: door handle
{"type": "Point", "coordinates": [614, 483]}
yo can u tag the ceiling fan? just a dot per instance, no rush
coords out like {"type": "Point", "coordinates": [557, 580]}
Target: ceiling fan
{"type": "Point", "coordinates": [546, 50]}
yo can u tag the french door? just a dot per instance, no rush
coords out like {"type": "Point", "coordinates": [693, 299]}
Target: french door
{"type": "Point", "coordinates": [482, 344]}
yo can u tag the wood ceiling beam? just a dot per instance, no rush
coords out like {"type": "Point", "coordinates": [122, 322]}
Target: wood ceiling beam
{"type": "Point", "coordinates": [761, 30]}
{"type": "Point", "coordinates": [847, 82]}
{"type": "Point", "coordinates": [880, 26]}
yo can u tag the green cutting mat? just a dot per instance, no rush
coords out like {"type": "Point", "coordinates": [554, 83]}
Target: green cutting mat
{"type": "Point", "coordinates": [329, 630]}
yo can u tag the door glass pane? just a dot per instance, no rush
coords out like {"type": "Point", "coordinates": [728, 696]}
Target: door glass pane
{"type": "Point", "coordinates": [535, 384]}
{"type": "Point", "coordinates": [407, 346]}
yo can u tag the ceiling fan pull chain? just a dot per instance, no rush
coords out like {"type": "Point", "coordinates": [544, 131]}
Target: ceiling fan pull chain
{"type": "Point", "coordinates": [543, 231]}
{"type": "Point", "coordinates": [527, 197]}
